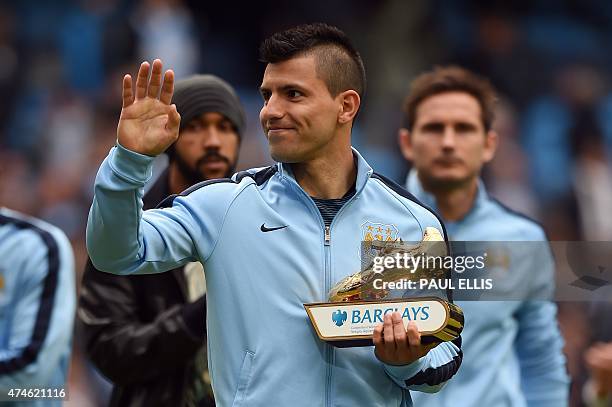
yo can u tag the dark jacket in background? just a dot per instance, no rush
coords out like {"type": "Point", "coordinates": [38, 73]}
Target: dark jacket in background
{"type": "Point", "coordinates": [141, 332]}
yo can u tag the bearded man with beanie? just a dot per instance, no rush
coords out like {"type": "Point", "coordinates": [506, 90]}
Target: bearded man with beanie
{"type": "Point", "coordinates": [147, 333]}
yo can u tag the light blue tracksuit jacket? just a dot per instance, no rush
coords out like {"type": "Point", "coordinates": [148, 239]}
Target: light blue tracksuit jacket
{"type": "Point", "coordinates": [263, 350]}
{"type": "Point", "coordinates": [37, 305]}
{"type": "Point", "coordinates": [512, 349]}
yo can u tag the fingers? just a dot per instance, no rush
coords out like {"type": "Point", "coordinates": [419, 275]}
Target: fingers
{"type": "Point", "coordinates": [174, 119]}
{"type": "Point", "coordinates": [128, 93]}
{"type": "Point", "coordinates": [413, 334]}
{"type": "Point", "coordinates": [396, 344]}
{"type": "Point", "coordinates": [399, 333]}
{"type": "Point", "coordinates": [141, 80]}
{"type": "Point", "coordinates": [146, 87]}
{"type": "Point", "coordinates": [377, 338]}
{"type": "Point", "coordinates": [156, 79]}
{"type": "Point", "coordinates": [388, 335]}
{"type": "Point", "coordinates": [168, 87]}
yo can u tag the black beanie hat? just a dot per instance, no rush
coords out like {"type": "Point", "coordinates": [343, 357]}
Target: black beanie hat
{"type": "Point", "coordinates": [199, 94]}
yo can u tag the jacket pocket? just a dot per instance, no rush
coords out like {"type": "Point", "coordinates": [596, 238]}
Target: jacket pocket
{"type": "Point", "coordinates": [243, 379]}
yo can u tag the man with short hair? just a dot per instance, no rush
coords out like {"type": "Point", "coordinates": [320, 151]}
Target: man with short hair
{"type": "Point", "coordinates": [273, 239]}
{"type": "Point", "coordinates": [37, 303]}
{"type": "Point", "coordinates": [513, 349]}
{"type": "Point", "coordinates": [147, 333]}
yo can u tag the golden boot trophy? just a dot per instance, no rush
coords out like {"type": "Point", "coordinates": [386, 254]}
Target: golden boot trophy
{"type": "Point", "coordinates": [358, 303]}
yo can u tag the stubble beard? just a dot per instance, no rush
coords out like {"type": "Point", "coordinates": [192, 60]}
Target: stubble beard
{"type": "Point", "coordinates": [194, 175]}
{"type": "Point", "coordinates": [435, 184]}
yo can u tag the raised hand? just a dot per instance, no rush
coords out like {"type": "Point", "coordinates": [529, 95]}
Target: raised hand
{"type": "Point", "coordinates": [149, 124]}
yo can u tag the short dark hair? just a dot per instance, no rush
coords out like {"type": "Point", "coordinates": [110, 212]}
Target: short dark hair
{"type": "Point", "coordinates": [451, 79]}
{"type": "Point", "coordinates": [338, 62]}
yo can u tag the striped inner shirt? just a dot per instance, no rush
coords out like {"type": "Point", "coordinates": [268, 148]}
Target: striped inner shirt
{"type": "Point", "coordinates": [330, 207]}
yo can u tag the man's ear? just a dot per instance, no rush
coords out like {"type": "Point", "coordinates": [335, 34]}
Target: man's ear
{"type": "Point", "coordinates": [350, 102]}
{"type": "Point", "coordinates": [405, 143]}
{"type": "Point", "coordinates": [491, 143]}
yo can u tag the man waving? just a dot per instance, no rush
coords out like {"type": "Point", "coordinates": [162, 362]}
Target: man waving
{"type": "Point", "coordinates": [272, 239]}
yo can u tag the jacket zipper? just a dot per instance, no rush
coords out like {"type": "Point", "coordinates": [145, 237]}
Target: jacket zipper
{"type": "Point", "coordinates": [329, 349]}
{"type": "Point", "coordinates": [330, 352]}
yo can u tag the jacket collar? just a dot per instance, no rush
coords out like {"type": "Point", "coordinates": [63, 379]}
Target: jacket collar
{"type": "Point", "coordinates": [364, 171]}
{"type": "Point", "coordinates": [414, 186]}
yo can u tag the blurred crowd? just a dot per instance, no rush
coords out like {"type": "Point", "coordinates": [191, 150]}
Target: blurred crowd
{"type": "Point", "coordinates": [61, 64]}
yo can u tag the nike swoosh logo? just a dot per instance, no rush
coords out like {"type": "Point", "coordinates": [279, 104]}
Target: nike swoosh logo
{"type": "Point", "coordinates": [265, 229]}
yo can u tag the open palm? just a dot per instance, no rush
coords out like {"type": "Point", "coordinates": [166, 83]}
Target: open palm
{"type": "Point", "coordinates": [149, 124]}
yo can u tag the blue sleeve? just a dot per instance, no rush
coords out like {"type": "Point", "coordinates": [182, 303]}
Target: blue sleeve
{"type": "Point", "coordinates": [35, 349]}
{"type": "Point", "coordinates": [124, 239]}
{"type": "Point", "coordinates": [539, 347]}
{"type": "Point", "coordinates": [539, 344]}
{"type": "Point", "coordinates": [429, 373]}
